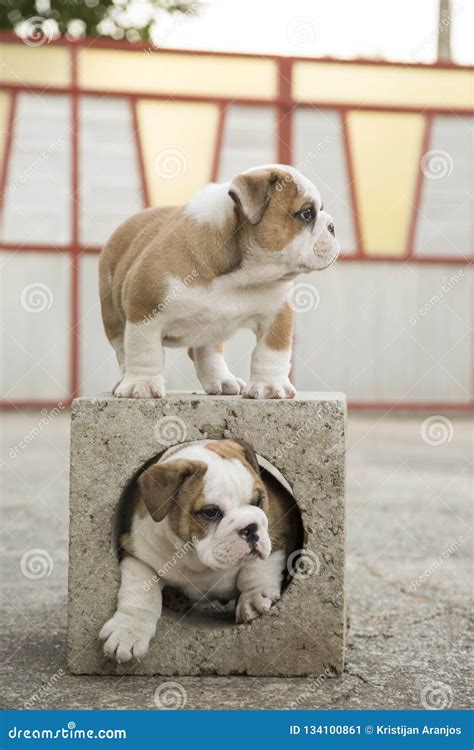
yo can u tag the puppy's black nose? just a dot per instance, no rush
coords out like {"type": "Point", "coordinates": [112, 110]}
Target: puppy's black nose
{"type": "Point", "coordinates": [249, 533]}
{"type": "Point", "coordinates": [331, 229]}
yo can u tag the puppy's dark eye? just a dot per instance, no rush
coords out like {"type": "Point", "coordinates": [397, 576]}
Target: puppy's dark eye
{"type": "Point", "coordinates": [211, 513]}
{"type": "Point", "coordinates": [307, 214]}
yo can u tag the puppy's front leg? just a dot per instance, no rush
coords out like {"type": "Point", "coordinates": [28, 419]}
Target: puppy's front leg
{"type": "Point", "coordinates": [259, 582]}
{"type": "Point", "coordinates": [271, 358]}
{"type": "Point", "coordinates": [144, 361]}
{"type": "Point", "coordinates": [129, 631]}
{"type": "Point", "coordinates": [212, 371]}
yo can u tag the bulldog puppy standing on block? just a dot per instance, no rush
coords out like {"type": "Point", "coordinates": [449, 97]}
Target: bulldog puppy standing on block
{"type": "Point", "coordinates": [192, 275]}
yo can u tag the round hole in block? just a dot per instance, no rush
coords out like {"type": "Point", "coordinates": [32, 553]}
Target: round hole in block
{"type": "Point", "coordinates": [209, 612]}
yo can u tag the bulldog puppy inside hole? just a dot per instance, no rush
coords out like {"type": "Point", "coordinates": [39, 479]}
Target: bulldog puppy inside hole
{"type": "Point", "coordinates": [206, 520]}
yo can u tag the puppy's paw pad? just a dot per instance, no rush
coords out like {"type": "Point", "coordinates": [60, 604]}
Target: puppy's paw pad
{"type": "Point", "coordinates": [125, 638]}
{"type": "Point", "coordinates": [229, 386]}
{"type": "Point", "coordinates": [140, 387]}
{"type": "Point", "coordinates": [270, 390]}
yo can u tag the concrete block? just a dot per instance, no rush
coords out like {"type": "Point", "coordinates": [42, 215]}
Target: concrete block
{"type": "Point", "coordinates": [304, 439]}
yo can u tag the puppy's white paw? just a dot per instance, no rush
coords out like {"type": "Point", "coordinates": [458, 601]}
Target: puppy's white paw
{"type": "Point", "coordinates": [126, 637]}
{"type": "Point", "coordinates": [135, 386]}
{"type": "Point", "coordinates": [256, 602]}
{"type": "Point", "coordinates": [228, 386]}
{"type": "Point", "coordinates": [269, 390]}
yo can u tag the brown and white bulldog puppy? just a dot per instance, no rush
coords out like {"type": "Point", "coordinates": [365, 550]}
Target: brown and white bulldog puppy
{"type": "Point", "coordinates": [202, 521]}
{"type": "Point", "coordinates": [192, 275]}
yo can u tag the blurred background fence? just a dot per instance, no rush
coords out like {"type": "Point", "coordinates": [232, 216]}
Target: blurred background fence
{"type": "Point", "coordinates": [94, 130]}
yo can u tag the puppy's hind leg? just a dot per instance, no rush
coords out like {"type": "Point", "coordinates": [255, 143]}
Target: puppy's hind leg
{"type": "Point", "coordinates": [212, 371]}
{"type": "Point", "coordinates": [129, 631]}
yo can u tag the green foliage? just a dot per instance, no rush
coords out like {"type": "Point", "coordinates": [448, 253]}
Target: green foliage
{"type": "Point", "coordinates": [117, 19]}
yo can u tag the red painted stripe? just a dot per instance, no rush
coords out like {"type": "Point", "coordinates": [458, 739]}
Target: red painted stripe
{"type": "Point", "coordinates": [35, 247]}
{"type": "Point", "coordinates": [463, 406]}
{"type": "Point", "coordinates": [8, 147]}
{"type": "Point", "coordinates": [284, 112]}
{"type": "Point", "coordinates": [139, 152]}
{"type": "Point", "coordinates": [6, 405]}
{"type": "Point", "coordinates": [218, 143]}
{"type": "Point", "coordinates": [196, 98]}
{"type": "Point", "coordinates": [359, 252]}
{"type": "Point", "coordinates": [75, 239]}
{"type": "Point", "coordinates": [409, 248]}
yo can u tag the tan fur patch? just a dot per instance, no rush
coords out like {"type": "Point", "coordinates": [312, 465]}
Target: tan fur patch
{"type": "Point", "coordinates": [280, 334]}
{"type": "Point", "coordinates": [146, 250]}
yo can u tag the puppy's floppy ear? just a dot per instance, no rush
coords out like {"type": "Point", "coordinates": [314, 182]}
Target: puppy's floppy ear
{"type": "Point", "coordinates": [252, 192]}
{"type": "Point", "coordinates": [250, 455]}
{"type": "Point", "coordinates": [161, 483]}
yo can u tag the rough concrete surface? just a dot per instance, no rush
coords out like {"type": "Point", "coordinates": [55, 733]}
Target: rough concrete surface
{"type": "Point", "coordinates": [408, 515]}
{"type": "Point", "coordinates": [304, 439]}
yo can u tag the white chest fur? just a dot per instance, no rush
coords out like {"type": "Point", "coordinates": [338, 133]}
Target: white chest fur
{"type": "Point", "coordinates": [205, 314]}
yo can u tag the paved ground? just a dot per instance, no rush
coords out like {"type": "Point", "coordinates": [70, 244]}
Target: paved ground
{"type": "Point", "coordinates": [409, 512]}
